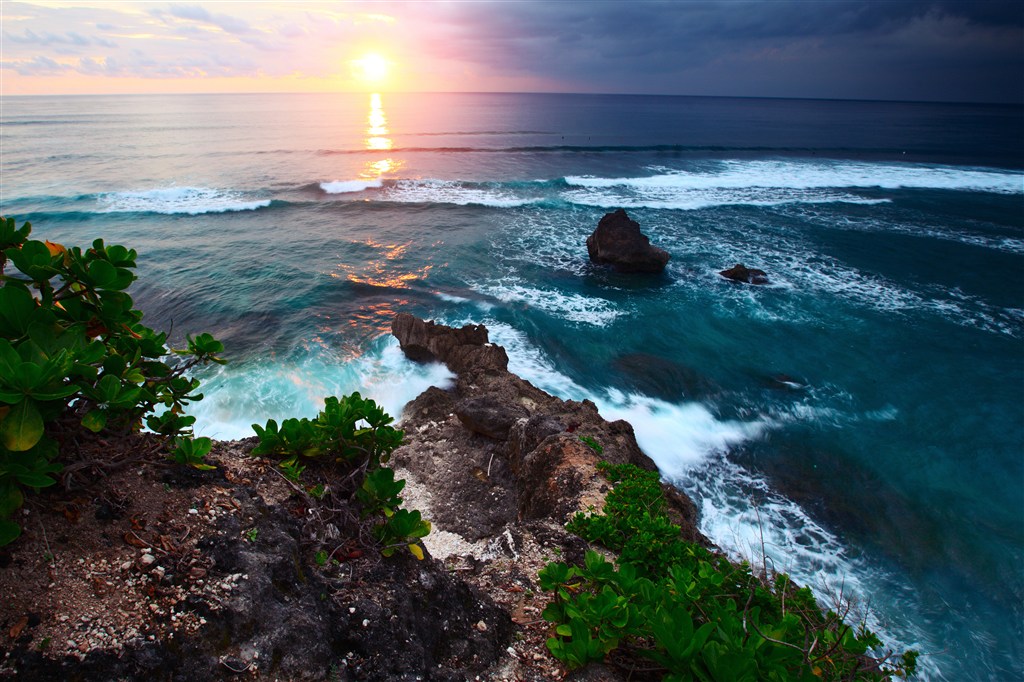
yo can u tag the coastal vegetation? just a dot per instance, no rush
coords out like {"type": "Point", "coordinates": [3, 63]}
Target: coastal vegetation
{"type": "Point", "coordinates": [75, 355]}
{"type": "Point", "coordinates": [357, 435]}
{"type": "Point", "coordinates": [674, 608]}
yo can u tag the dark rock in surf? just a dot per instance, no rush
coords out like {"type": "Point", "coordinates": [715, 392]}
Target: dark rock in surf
{"type": "Point", "coordinates": [618, 242]}
{"type": "Point", "coordinates": [741, 273]}
{"type": "Point", "coordinates": [461, 349]}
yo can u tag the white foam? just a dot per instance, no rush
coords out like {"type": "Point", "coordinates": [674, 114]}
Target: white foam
{"type": "Point", "coordinates": [777, 183]}
{"type": "Point", "coordinates": [683, 199]}
{"type": "Point", "coordinates": [238, 396]}
{"type": "Point", "coordinates": [175, 200]}
{"type": "Point", "coordinates": [452, 192]}
{"type": "Point", "coordinates": [530, 363]}
{"type": "Point", "coordinates": [349, 186]}
{"type": "Point", "coordinates": [572, 307]}
{"type": "Point", "coordinates": [450, 298]}
{"type": "Point", "coordinates": [676, 436]}
{"type": "Point", "coordinates": [802, 175]}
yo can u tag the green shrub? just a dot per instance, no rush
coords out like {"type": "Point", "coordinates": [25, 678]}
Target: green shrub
{"type": "Point", "coordinates": [357, 434]}
{"type": "Point", "coordinates": [689, 613]}
{"type": "Point", "coordinates": [73, 351]}
{"type": "Point", "coordinates": [350, 429]}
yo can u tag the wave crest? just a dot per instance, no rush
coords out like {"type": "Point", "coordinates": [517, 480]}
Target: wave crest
{"type": "Point", "coordinates": [179, 200]}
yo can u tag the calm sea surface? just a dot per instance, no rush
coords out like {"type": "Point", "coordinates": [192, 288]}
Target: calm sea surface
{"type": "Point", "coordinates": [863, 411]}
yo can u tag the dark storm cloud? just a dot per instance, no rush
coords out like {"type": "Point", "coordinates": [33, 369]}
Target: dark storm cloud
{"type": "Point", "coordinates": [891, 50]}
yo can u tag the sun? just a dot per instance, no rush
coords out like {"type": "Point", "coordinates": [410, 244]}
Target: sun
{"type": "Point", "coordinates": [371, 67]}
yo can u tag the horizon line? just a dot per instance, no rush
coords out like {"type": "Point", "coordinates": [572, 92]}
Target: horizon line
{"type": "Point", "coordinates": [1017, 103]}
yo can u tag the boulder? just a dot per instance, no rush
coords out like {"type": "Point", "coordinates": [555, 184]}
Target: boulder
{"type": "Point", "coordinates": [741, 273]}
{"type": "Point", "coordinates": [462, 350]}
{"type": "Point", "coordinates": [489, 416]}
{"type": "Point", "coordinates": [618, 242]}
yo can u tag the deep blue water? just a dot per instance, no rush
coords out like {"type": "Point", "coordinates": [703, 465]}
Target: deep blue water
{"type": "Point", "coordinates": [863, 411]}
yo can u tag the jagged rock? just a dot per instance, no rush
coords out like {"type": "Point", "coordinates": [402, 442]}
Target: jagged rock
{"type": "Point", "coordinates": [489, 416]}
{"type": "Point", "coordinates": [534, 464]}
{"type": "Point", "coordinates": [460, 349]}
{"type": "Point", "coordinates": [618, 242]}
{"type": "Point", "coordinates": [527, 434]}
{"type": "Point", "coordinates": [741, 273]}
{"type": "Point", "coordinates": [554, 478]}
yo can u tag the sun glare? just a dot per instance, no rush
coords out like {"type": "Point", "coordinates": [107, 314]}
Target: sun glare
{"type": "Point", "coordinates": [371, 68]}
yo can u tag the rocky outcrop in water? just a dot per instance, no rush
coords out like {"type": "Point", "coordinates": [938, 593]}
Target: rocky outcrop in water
{"type": "Point", "coordinates": [741, 273]}
{"type": "Point", "coordinates": [618, 242]}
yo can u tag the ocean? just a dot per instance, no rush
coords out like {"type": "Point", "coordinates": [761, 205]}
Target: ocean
{"type": "Point", "coordinates": [859, 419]}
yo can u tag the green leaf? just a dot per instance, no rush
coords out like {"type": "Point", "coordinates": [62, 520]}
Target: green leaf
{"type": "Point", "coordinates": [95, 420]}
{"type": "Point", "coordinates": [11, 498]}
{"type": "Point", "coordinates": [33, 259]}
{"type": "Point", "coordinates": [22, 427]}
{"type": "Point", "coordinates": [102, 273]}
{"type": "Point", "coordinates": [9, 532]}
{"type": "Point", "coordinates": [16, 306]}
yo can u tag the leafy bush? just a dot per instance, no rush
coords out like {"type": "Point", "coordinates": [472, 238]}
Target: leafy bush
{"type": "Point", "coordinates": [73, 351]}
{"type": "Point", "coordinates": [356, 433]}
{"type": "Point", "coordinates": [351, 429]}
{"type": "Point", "coordinates": [688, 612]}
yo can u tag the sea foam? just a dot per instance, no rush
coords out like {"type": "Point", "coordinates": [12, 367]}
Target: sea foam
{"type": "Point", "coordinates": [778, 183]}
{"type": "Point", "coordinates": [434, 191]}
{"type": "Point", "coordinates": [567, 306]}
{"type": "Point", "coordinates": [350, 186]}
{"type": "Point", "coordinates": [236, 396]}
{"type": "Point", "coordinates": [175, 200]}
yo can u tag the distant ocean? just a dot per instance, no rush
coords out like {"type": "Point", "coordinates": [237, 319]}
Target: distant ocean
{"type": "Point", "coordinates": [863, 411]}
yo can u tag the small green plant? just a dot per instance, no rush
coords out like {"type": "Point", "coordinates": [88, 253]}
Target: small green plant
{"type": "Point", "coordinates": [192, 451]}
{"type": "Point", "coordinates": [73, 351]}
{"type": "Point", "coordinates": [379, 492]}
{"type": "Point", "coordinates": [592, 443]}
{"type": "Point", "coordinates": [689, 613]}
{"type": "Point", "coordinates": [320, 557]}
{"type": "Point", "coordinates": [403, 528]}
{"type": "Point", "coordinates": [356, 433]}
{"type": "Point", "coordinates": [349, 429]}
{"type": "Point", "coordinates": [318, 491]}
{"type": "Point", "coordinates": [292, 470]}
{"type": "Point", "coordinates": [251, 534]}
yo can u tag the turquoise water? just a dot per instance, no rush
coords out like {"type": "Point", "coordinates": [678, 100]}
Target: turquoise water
{"type": "Point", "coordinates": [861, 413]}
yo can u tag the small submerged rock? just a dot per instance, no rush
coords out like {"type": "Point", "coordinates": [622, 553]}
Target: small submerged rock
{"type": "Point", "coordinates": [741, 273]}
{"type": "Point", "coordinates": [618, 242]}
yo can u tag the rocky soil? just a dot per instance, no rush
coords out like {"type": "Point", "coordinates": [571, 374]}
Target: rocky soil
{"type": "Point", "coordinates": [162, 572]}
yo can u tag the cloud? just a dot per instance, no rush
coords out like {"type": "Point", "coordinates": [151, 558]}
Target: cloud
{"type": "Point", "coordinates": [199, 14]}
{"type": "Point", "coordinates": [930, 49]}
{"type": "Point", "coordinates": [37, 66]}
{"type": "Point", "coordinates": [70, 38]}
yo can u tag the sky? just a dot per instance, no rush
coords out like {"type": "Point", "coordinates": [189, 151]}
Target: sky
{"type": "Point", "coordinates": [927, 50]}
